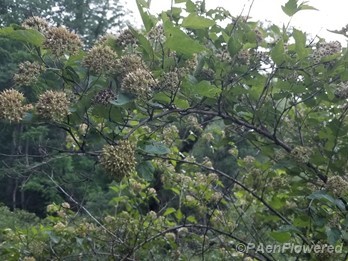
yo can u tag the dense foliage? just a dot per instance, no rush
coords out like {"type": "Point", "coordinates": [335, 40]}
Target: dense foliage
{"type": "Point", "coordinates": [90, 19]}
{"type": "Point", "coordinates": [179, 142]}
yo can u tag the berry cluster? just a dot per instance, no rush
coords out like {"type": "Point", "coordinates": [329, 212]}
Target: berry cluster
{"type": "Point", "coordinates": [104, 97]}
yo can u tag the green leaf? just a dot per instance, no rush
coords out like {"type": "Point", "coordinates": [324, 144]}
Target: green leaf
{"type": "Point", "coordinates": [307, 7]}
{"type": "Point", "coordinates": [277, 203]}
{"type": "Point", "coordinates": [190, 6]}
{"type": "Point", "coordinates": [146, 170]}
{"type": "Point", "coordinates": [169, 211]}
{"type": "Point", "coordinates": [122, 99]}
{"type": "Point", "coordinates": [203, 89]}
{"type": "Point", "coordinates": [162, 98]}
{"type": "Point", "coordinates": [344, 235]}
{"type": "Point", "coordinates": [156, 148]}
{"type": "Point", "coordinates": [79, 241]}
{"type": "Point", "coordinates": [178, 215]}
{"type": "Point", "coordinates": [144, 3]}
{"type": "Point", "coordinates": [180, 1]}
{"type": "Point", "coordinates": [321, 195]}
{"type": "Point", "coordinates": [175, 190]}
{"type": "Point", "coordinates": [28, 36]}
{"type": "Point", "coordinates": [175, 13]}
{"type": "Point", "coordinates": [194, 21]}
{"type": "Point", "coordinates": [290, 8]}
{"type": "Point", "coordinates": [289, 228]}
{"type": "Point", "coordinates": [281, 236]}
{"type": "Point", "coordinates": [17, 27]}
{"type": "Point", "coordinates": [340, 204]}
{"type": "Point", "coordinates": [143, 42]}
{"type": "Point", "coordinates": [148, 21]}
{"type": "Point", "coordinates": [333, 235]}
{"type": "Point", "coordinates": [300, 40]}
{"type": "Point", "coordinates": [71, 74]}
{"type": "Point", "coordinates": [181, 103]}
{"type": "Point", "coordinates": [107, 112]}
{"type": "Point", "coordinates": [178, 41]}
{"type": "Point", "coordinates": [234, 45]}
{"type": "Point", "coordinates": [74, 60]}
{"type": "Point", "coordinates": [191, 219]}
{"type": "Point", "coordinates": [55, 239]}
{"type": "Point", "coordinates": [301, 221]}
{"type": "Point", "coordinates": [278, 53]}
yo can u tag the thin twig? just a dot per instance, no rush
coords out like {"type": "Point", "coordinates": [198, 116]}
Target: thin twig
{"type": "Point", "coordinates": [86, 210]}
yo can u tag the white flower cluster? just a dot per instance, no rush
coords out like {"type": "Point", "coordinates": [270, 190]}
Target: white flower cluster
{"type": "Point", "coordinates": [342, 90]}
{"type": "Point", "coordinates": [326, 49]}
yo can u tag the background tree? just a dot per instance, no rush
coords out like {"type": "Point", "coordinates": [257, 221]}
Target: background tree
{"type": "Point", "coordinates": [90, 19]}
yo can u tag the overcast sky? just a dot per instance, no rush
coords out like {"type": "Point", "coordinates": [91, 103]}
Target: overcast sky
{"type": "Point", "coordinates": [332, 14]}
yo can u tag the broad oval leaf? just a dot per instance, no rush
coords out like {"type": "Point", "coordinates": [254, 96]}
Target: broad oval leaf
{"type": "Point", "coordinates": [143, 42]}
{"type": "Point", "coordinates": [281, 236]}
{"type": "Point", "coordinates": [290, 8]}
{"type": "Point", "coordinates": [333, 235]}
{"type": "Point", "coordinates": [234, 45]}
{"type": "Point", "coordinates": [156, 148]}
{"type": "Point", "coordinates": [322, 195]}
{"type": "Point", "coordinates": [169, 211]}
{"type": "Point", "coordinates": [197, 22]}
{"type": "Point", "coordinates": [178, 41]}
{"type": "Point", "coordinates": [28, 36]}
{"type": "Point", "coordinates": [278, 53]}
{"type": "Point", "coordinates": [203, 89]}
{"type": "Point", "coordinates": [146, 170]}
{"type": "Point", "coordinates": [148, 19]}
